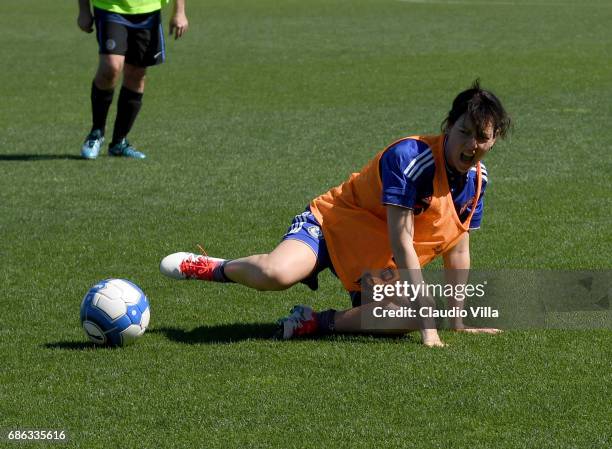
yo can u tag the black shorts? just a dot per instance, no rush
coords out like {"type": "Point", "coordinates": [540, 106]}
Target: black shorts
{"type": "Point", "coordinates": [138, 37]}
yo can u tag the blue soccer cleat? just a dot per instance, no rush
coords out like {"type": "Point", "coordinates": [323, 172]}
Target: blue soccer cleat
{"type": "Point", "coordinates": [124, 149]}
{"type": "Point", "coordinates": [92, 144]}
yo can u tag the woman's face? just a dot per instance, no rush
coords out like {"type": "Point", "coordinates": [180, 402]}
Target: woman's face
{"type": "Point", "coordinates": [466, 145]}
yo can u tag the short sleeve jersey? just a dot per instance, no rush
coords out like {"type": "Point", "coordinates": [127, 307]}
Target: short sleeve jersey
{"type": "Point", "coordinates": [407, 171]}
{"type": "Point", "coordinates": [130, 6]}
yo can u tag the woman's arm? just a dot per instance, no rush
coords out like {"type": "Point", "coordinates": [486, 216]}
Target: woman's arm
{"type": "Point", "coordinates": [85, 18]}
{"type": "Point", "coordinates": [400, 222]}
{"type": "Point", "coordinates": [178, 22]}
{"type": "Point", "coordinates": [457, 271]}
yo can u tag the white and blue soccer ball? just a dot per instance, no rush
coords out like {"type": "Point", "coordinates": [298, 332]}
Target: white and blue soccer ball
{"type": "Point", "coordinates": [115, 312]}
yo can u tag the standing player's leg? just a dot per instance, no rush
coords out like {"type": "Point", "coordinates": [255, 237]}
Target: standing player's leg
{"type": "Point", "coordinates": [112, 44]}
{"type": "Point", "coordinates": [103, 86]}
{"type": "Point", "coordinates": [128, 107]}
{"type": "Point", "coordinates": [102, 90]}
{"type": "Point", "coordinates": [146, 47]}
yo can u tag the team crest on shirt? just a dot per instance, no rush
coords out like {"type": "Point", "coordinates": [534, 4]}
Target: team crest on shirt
{"type": "Point", "coordinates": [315, 232]}
{"type": "Point", "coordinates": [110, 44]}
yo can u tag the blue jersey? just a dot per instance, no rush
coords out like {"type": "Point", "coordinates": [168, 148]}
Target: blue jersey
{"type": "Point", "coordinates": [407, 171]}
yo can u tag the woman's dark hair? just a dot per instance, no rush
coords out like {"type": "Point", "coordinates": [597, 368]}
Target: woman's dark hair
{"type": "Point", "coordinates": [483, 108]}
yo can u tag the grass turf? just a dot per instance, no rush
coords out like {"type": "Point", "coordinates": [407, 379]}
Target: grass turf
{"type": "Point", "coordinates": [260, 107]}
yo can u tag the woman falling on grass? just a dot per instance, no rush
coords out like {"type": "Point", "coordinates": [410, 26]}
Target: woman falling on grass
{"type": "Point", "coordinates": [414, 201]}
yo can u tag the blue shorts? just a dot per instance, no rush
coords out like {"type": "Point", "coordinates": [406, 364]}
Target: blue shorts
{"type": "Point", "coordinates": [307, 229]}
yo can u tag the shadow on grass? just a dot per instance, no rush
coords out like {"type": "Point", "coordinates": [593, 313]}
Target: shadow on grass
{"type": "Point", "coordinates": [229, 333]}
{"type": "Point", "coordinates": [73, 345]}
{"type": "Point", "coordinates": [232, 333]}
{"type": "Point", "coordinates": [38, 157]}
{"type": "Point", "coordinates": [226, 333]}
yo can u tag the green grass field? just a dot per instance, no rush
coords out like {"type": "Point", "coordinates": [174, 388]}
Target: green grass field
{"type": "Point", "coordinates": [260, 107]}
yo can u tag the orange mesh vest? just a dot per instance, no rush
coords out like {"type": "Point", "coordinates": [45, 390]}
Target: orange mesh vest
{"type": "Point", "coordinates": [354, 220]}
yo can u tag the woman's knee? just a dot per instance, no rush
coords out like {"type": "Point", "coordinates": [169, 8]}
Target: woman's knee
{"type": "Point", "coordinates": [278, 276]}
{"type": "Point", "coordinates": [289, 263]}
{"type": "Point", "coordinates": [109, 71]}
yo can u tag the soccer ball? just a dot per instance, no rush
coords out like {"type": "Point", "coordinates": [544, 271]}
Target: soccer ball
{"type": "Point", "coordinates": [115, 312]}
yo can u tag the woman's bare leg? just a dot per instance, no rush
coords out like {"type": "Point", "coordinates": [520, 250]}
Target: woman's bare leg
{"type": "Point", "coordinates": [289, 263]}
